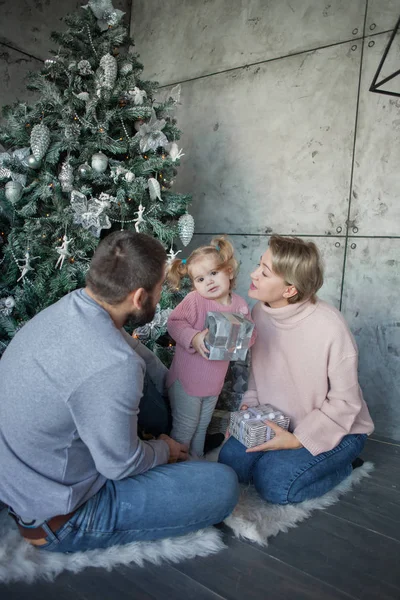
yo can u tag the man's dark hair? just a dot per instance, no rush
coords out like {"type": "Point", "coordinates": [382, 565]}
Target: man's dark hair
{"type": "Point", "coordinates": [123, 262]}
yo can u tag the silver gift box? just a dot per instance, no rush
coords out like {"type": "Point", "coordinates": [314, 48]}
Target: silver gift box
{"type": "Point", "coordinates": [228, 336]}
{"type": "Point", "coordinates": [249, 428]}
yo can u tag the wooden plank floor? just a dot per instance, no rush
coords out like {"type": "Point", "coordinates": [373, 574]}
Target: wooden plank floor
{"type": "Point", "coordinates": [349, 551]}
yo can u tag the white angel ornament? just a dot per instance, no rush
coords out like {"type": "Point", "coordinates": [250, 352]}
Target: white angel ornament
{"type": "Point", "coordinates": [139, 218]}
{"type": "Point", "coordinates": [26, 264]}
{"type": "Point", "coordinates": [172, 255]}
{"type": "Point", "coordinates": [63, 252]}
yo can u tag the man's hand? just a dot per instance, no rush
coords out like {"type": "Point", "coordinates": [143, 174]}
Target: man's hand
{"type": "Point", "coordinates": [283, 440]}
{"type": "Point", "coordinates": [177, 451]}
{"type": "Point", "coordinates": [198, 343]}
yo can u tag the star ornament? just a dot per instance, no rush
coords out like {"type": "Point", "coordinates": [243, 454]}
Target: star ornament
{"type": "Point", "coordinates": [106, 15]}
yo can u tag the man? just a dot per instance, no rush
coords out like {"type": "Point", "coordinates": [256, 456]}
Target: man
{"type": "Point", "coordinates": [72, 468]}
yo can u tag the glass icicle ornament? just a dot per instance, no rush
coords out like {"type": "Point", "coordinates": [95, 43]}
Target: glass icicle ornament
{"type": "Point", "coordinates": [186, 228]}
{"type": "Point", "coordinates": [40, 140]}
{"type": "Point", "coordinates": [66, 177]}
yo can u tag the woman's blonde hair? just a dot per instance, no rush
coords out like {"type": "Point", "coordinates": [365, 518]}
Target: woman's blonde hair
{"type": "Point", "coordinates": [299, 263]}
{"type": "Point", "coordinates": [219, 247]}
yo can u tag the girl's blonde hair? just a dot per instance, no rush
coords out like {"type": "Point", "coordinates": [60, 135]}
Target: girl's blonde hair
{"type": "Point", "coordinates": [219, 247]}
{"type": "Point", "coordinates": [299, 263]}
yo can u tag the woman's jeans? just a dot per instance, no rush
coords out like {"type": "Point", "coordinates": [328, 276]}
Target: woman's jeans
{"type": "Point", "coordinates": [166, 501]}
{"type": "Point", "coordinates": [290, 476]}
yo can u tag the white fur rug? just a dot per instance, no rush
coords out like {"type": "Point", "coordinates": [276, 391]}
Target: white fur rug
{"type": "Point", "coordinates": [256, 520]}
{"type": "Point", "coordinates": [20, 561]}
{"type": "Point", "coordinates": [253, 519]}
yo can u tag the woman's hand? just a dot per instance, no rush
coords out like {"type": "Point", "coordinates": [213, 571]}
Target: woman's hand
{"type": "Point", "coordinates": [198, 343]}
{"type": "Point", "coordinates": [283, 440]}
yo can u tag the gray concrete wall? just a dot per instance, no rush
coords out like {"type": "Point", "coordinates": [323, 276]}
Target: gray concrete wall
{"type": "Point", "coordinates": [280, 133]}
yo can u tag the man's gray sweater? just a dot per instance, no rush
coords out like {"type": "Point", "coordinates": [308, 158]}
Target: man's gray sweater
{"type": "Point", "coordinates": [70, 386]}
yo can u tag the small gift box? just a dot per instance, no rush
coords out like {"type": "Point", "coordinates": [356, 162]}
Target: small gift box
{"type": "Point", "coordinates": [249, 428]}
{"type": "Point", "coordinates": [228, 336]}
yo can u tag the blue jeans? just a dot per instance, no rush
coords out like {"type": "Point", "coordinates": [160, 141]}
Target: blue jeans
{"type": "Point", "coordinates": [290, 476]}
{"type": "Point", "coordinates": [166, 501]}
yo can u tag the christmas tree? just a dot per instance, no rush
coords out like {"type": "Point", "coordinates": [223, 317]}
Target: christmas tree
{"type": "Point", "coordinates": [96, 152]}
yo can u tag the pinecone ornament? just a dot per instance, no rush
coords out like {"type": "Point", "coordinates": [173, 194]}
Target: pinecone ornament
{"type": "Point", "coordinates": [186, 228]}
{"type": "Point", "coordinates": [66, 177]}
{"type": "Point", "coordinates": [40, 140]}
{"type": "Point", "coordinates": [110, 69]}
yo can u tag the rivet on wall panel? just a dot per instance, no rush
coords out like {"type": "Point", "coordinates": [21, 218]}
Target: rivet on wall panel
{"type": "Point", "coordinates": [371, 43]}
{"type": "Point", "coordinates": [372, 27]}
{"type": "Point", "coordinates": [354, 47]}
{"type": "Point", "coordinates": [355, 31]}
{"type": "Point", "coordinates": [338, 229]}
{"type": "Point", "coordinates": [355, 229]}
{"type": "Point", "coordinates": [353, 246]}
{"type": "Point", "coordinates": [337, 244]}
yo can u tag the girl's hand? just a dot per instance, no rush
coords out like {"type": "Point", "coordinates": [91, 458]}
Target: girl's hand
{"type": "Point", "coordinates": [283, 440]}
{"type": "Point", "coordinates": [198, 343]}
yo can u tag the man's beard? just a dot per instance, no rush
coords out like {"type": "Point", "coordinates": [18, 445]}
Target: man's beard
{"type": "Point", "coordinates": [138, 318]}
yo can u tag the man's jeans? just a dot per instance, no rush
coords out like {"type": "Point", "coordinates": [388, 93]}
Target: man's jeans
{"type": "Point", "coordinates": [166, 501]}
{"type": "Point", "coordinates": [289, 476]}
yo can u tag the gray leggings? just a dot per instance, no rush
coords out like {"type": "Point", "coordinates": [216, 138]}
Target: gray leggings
{"type": "Point", "coordinates": [191, 416]}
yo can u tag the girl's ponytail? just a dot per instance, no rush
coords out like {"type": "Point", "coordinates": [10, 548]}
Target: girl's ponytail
{"type": "Point", "coordinates": [176, 271]}
{"type": "Point", "coordinates": [224, 248]}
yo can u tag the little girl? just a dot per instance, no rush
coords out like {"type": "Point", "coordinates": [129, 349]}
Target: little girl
{"type": "Point", "coordinates": [194, 383]}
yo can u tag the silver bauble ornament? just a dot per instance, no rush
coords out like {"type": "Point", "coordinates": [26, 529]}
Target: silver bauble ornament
{"type": "Point", "coordinates": [13, 191]}
{"type": "Point", "coordinates": [84, 170]}
{"type": "Point", "coordinates": [129, 176]}
{"type": "Point", "coordinates": [9, 302]}
{"type": "Point", "coordinates": [126, 68]}
{"type": "Point", "coordinates": [66, 177]}
{"type": "Point", "coordinates": [186, 228]}
{"type": "Point", "coordinates": [99, 162]}
{"type": "Point", "coordinates": [84, 67]}
{"type": "Point", "coordinates": [33, 163]}
{"type": "Point", "coordinates": [40, 140]}
{"type": "Point", "coordinates": [110, 69]}
{"type": "Point", "coordinates": [6, 306]}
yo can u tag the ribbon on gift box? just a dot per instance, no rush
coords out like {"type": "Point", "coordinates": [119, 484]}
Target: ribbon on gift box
{"type": "Point", "coordinates": [257, 417]}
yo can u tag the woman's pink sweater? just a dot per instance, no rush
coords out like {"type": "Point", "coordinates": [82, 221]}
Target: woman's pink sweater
{"type": "Point", "coordinates": [304, 363]}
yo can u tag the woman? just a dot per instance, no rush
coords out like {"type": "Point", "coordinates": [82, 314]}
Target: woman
{"type": "Point", "coordinates": [304, 363]}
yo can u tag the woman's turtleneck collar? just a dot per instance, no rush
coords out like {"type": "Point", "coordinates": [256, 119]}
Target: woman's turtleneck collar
{"type": "Point", "coordinates": [290, 315]}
